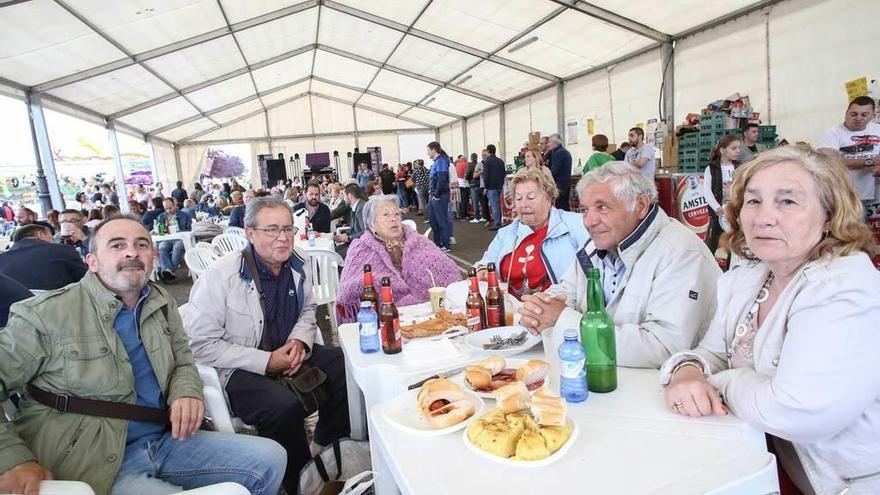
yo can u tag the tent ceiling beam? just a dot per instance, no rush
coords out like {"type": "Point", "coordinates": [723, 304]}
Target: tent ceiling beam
{"type": "Point", "coordinates": [303, 136]}
{"type": "Point", "coordinates": [372, 109]}
{"type": "Point", "coordinates": [396, 46]}
{"type": "Point", "coordinates": [404, 72]}
{"type": "Point", "coordinates": [173, 47]}
{"type": "Point", "coordinates": [614, 19]}
{"type": "Point", "coordinates": [215, 80]}
{"type": "Point", "coordinates": [241, 52]}
{"type": "Point", "coordinates": [549, 17]}
{"type": "Point", "coordinates": [246, 116]}
{"type": "Point", "coordinates": [402, 28]}
{"type": "Point", "coordinates": [121, 48]}
{"type": "Point", "coordinates": [748, 9]}
{"type": "Point", "coordinates": [391, 98]}
{"type": "Point", "coordinates": [227, 106]}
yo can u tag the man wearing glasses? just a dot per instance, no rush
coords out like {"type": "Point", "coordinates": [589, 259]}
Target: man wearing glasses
{"type": "Point", "coordinates": [252, 316]}
{"type": "Point", "coordinates": [73, 232]}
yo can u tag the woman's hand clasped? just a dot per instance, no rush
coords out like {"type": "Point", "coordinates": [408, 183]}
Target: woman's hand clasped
{"type": "Point", "coordinates": [690, 394]}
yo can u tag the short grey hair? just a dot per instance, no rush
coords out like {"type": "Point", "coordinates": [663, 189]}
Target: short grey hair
{"type": "Point", "coordinates": [373, 204]}
{"type": "Point", "coordinates": [258, 204]}
{"type": "Point", "coordinates": [629, 182]}
{"type": "Point", "coordinates": [556, 138]}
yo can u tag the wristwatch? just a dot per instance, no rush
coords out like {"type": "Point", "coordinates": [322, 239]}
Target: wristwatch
{"type": "Point", "coordinates": [869, 162]}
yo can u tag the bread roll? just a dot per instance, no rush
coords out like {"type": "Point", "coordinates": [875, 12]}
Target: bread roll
{"type": "Point", "coordinates": [548, 409]}
{"type": "Point", "coordinates": [495, 364]}
{"type": "Point", "coordinates": [533, 371]}
{"type": "Point", "coordinates": [478, 378]}
{"type": "Point", "coordinates": [443, 403]}
{"type": "Point", "coordinates": [512, 398]}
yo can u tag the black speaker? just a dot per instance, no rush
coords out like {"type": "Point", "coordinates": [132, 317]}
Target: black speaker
{"type": "Point", "coordinates": [276, 170]}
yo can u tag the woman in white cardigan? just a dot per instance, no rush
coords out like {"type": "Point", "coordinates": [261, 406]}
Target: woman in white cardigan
{"type": "Point", "coordinates": [794, 348]}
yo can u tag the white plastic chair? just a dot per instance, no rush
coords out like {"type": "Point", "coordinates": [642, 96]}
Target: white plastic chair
{"type": "Point", "coordinates": [235, 230]}
{"type": "Point", "coordinates": [428, 233]}
{"type": "Point", "coordinates": [411, 224]}
{"type": "Point", "coordinates": [229, 243]}
{"type": "Point", "coordinates": [198, 259]}
{"type": "Point", "coordinates": [325, 264]}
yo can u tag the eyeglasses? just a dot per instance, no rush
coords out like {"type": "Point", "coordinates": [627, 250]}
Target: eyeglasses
{"type": "Point", "coordinates": [275, 231]}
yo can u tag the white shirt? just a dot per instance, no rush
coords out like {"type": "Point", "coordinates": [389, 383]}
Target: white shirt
{"type": "Point", "coordinates": [726, 179]}
{"type": "Point", "coordinates": [856, 145]}
{"type": "Point", "coordinates": [644, 151]}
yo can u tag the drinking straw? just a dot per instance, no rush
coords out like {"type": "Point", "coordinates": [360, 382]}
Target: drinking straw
{"type": "Point", "coordinates": [433, 283]}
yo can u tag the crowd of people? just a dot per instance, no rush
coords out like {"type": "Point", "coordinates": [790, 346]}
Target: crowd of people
{"type": "Point", "coordinates": [785, 340]}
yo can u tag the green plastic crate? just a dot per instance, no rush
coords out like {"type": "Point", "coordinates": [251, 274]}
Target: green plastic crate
{"type": "Point", "coordinates": [736, 132]}
{"type": "Point", "coordinates": [689, 139]}
{"type": "Point", "coordinates": [766, 132]}
{"type": "Point", "coordinates": [712, 123]}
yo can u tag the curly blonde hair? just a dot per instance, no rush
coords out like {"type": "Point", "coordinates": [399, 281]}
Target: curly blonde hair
{"type": "Point", "coordinates": [545, 184]}
{"type": "Point", "coordinates": [843, 208]}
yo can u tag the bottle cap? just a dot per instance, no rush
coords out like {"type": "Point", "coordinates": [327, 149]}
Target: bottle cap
{"type": "Point", "coordinates": [571, 333]}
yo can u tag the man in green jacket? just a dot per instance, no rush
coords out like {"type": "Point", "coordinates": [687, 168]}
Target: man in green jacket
{"type": "Point", "coordinates": [114, 337]}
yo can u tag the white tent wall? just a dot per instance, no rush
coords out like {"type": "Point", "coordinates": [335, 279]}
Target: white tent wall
{"type": "Point", "coordinates": [491, 130]}
{"type": "Point", "coordinates": [447, 139]}
{"type": "Point", "coordinates": [588, 97]}
{"type": "Point", "coordinates": [717, 63]}
{"type": "Point", "coordinates": [413, 146]}
{"type": "Point", "coordinates": [164, 162]}
{"type": "Point", "coordinates": [389, 143]}
{"type": "Point", "coordinates": [518, 123]}
{"type": "Point", "coordinates": [192, 158]}
{"type": "Point", "coordinates": [475, 134]}
{"type": "Point", "coordinates": [815, 47]}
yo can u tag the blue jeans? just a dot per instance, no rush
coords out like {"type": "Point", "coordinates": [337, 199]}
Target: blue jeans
{"type": "Point", "coordinates": [170, 255]}
{"type": "Point", "coordinates": [495, 205]}
{"type": "Point", "coordinates": [438, 216]}
{"type": "Point", "coordinates": [475, 202]}
{"type": "Point", "coordinates": [402, 199]}
{"type": "Point", "coordinates": [166, 465]}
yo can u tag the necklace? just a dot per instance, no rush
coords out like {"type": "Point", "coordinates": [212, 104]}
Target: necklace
{"type": "Point", "coordinates": [744, 336]}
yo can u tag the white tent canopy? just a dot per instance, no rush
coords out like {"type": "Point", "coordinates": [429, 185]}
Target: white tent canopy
{"type": "Point", "coordinates": [200, 71]}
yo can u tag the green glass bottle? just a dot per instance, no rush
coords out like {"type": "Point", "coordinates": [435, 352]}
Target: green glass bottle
{"type": "Point", "coordinates": [597, 337]}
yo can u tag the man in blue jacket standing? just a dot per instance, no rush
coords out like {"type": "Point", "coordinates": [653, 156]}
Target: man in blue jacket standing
{"type": "Point", "coordinates": [560, 167]}
{"type": "Point", "coordinates": [493, 177]}
{"type": "Point", "coordinates": [438, 196]}
{"type": "Point", "coordinates": [171, 252]}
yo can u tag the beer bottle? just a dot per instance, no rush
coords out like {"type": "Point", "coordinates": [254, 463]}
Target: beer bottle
{"type": "Point", "coordinates": [597, 337]}
{"type": "Point", "coordinates": [389, 321]}
{"type": "Point", "coordinates": [494, 300]}
{"type": "Point", "coordinates": [476, 307]}
{"type": "Point", "coordinates": [369, 293]}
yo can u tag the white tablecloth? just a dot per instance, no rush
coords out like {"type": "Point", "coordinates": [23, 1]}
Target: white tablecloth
{"type": "Point", "coordinates": [629, 441]}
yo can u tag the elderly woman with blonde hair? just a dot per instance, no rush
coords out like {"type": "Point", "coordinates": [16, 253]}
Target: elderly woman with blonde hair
{"type": "Point", "coordinates": [535, 250]}
{"type": "Point", "coordinates": [396, 251]}
{"type": "Point", "coordinates": [794, 348]}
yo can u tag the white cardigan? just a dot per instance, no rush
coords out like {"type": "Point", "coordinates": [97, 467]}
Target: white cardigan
{"type": "Point", "coordinates": [816, 376]}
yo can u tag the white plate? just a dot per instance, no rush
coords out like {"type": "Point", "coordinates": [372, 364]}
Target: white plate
{"type": "Point", "coordinates": [528, 464]}
{"type": "Point", "coordinates": [417, 313]}
{"type": "Point", "coordinates": [511, 363]}
{"type": "Point", "coordinates": [477, 339]}
{"type": "Point", "coordinates": [403, 412]}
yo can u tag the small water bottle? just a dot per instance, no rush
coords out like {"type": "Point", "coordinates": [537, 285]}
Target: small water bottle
{"type": "Point", "coordinates": [368, 328]}
{"type": "Point", "coordinates": [573, 374]}
{"type": "Point", "coordinates": [311, 232]}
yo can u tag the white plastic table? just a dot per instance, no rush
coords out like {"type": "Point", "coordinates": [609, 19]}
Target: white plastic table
{"type": "Point", "coordinates": [186, 237]}
{"type": "Point", "coordinates": [629, 442]}
{"type": "Point", "coordinates": [325, 241]}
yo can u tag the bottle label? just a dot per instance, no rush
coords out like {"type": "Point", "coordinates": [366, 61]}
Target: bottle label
{"type": "Point", "coordinates": [397, 330]}
{"type": "Point", "coordinates": [572, 369]}
{"type": "Point", "coordinates": [494, 316]}
{"type": "Point", "coordinates": [369, 329]}
{"type": "Point", "coordinates": [474, 322]}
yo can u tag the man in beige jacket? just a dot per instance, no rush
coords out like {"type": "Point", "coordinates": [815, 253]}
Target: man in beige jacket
{"type": "Point", "coordinates": [658, 277]}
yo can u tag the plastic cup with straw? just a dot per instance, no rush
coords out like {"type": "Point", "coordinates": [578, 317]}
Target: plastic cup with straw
{"type": "Point", "coordinates": [438, 294]}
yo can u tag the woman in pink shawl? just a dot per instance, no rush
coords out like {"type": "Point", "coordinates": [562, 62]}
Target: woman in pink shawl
{"type": "Point", "coordinates": [392, 250]}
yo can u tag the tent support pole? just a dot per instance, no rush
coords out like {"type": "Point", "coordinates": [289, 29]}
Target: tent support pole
{"type": "Point", "coordinates": [560, 110]}
{"type": "Point", "coordinates": [502, 133]}
{"type": "Point", "coordinates": [177, 166]}
{"type": "Point", "coordinates": [464, 140]}
{"type": "Point", "coordinates": [667, 61]}
{"type": "Point", "coordinates": [117, 164]}
{"type": "Point", "coordinates": [47, 179]}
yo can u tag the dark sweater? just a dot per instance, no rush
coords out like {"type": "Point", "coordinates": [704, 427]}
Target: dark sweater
{"type": "Point", "coordinates": [42, 265]}
{"type": "Point", "coordinates": [494, 172]}
{"type": "Point", "coordinates": [321, 219]}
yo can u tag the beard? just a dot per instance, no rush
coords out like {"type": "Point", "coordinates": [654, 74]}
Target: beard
{"type": "Point", "coordinates": [313, 202]}
{"type": "Point", "coordinates": [119, 280]}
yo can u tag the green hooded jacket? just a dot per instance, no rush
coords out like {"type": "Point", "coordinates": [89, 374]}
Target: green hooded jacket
{"type": "Point", "coordinates": [63, 341]}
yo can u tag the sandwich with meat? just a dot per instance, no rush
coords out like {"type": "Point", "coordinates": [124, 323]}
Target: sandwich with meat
{"type": "Point", "coordinates": [492, 373]}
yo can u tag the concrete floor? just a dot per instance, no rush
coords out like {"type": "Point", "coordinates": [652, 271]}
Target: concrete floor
{"type": "Point", "coordinates": [472, 240]}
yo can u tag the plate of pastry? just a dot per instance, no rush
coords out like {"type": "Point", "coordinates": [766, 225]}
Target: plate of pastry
{"type": "Point", "coordinates": [494, 372]}
{"type": "Point", "coordinates": [438, 407]}
{"type": "Point", "coordinates": [524, 430]}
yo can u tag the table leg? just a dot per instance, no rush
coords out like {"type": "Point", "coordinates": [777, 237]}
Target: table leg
{"type": "Point", "coordinates": [357, 414]}
{"type": "Point", "coordinates": [384, 480]}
